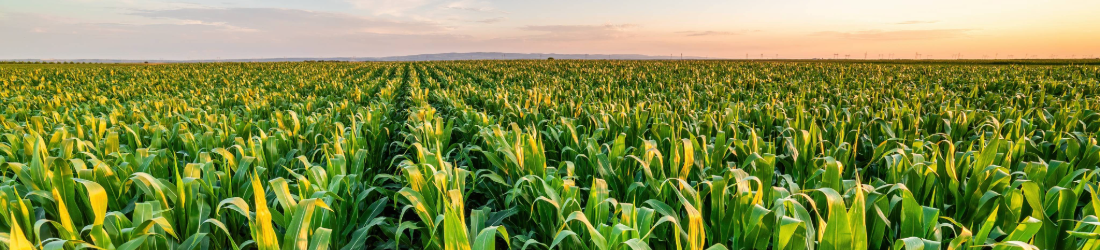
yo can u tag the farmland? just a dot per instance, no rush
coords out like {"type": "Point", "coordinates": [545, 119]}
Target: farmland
{"type": "Point", "coordinates": [563, 154]}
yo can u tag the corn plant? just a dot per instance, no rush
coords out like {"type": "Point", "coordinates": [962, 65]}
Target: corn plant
{"type": "Point", "coordinates": [562, 154]}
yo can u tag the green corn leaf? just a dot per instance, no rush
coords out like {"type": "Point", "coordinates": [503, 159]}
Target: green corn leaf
{"type": "Point", "coordinates": [486, 239]}
{"type": "Point", "coordinates": [454, 223]}
{"type": "Point", "coordinates": [298, 233]}
{"type": "Point", "coordinates": [321, 238]}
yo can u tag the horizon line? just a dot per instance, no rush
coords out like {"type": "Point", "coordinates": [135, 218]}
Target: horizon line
{"type": "Point", "coordinates": [543, 56]}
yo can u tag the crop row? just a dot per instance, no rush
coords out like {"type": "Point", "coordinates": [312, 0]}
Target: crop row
{"type": "Point", "coordinates": [559, 154]}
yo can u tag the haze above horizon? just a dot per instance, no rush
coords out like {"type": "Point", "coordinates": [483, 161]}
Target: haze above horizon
{"type": "Point", "coordinates": [209, 29]}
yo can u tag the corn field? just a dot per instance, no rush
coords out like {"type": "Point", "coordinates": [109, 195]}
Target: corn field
{"type": "Point", "coordinates": [597, 155]}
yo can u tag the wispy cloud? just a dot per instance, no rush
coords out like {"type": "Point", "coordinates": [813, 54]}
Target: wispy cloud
{"type": "Point", "coordinates": [389, 7]}
{"type": "Point", "coordinates": [224, 26]}
{"type": "Point", "coordinates": [881, 35]}
{"type": "Point", "coordinates": [917, 22]}
{"type": "Point", "coordinates": [711, 33]}
{"type": "Point", "coordinates": [290, 21]}
{"type": "Point", "coordinates": [44, 36]}
{"type": "Point", "coordinates": [436, 11]}
{"type": "Point", "coordinates": [491, 20]}
{"type": "Point", "coordinates": [473, 6]}
{"type": "Point", "coordinates": [581, 32]}
{"type": "Point", "coordinates": [486, 10]}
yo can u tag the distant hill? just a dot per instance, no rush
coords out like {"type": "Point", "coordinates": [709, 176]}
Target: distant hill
{"type": "Point", "coordinates": [512, 56]}
{"type": "Point", "coordinates": [421, 57]}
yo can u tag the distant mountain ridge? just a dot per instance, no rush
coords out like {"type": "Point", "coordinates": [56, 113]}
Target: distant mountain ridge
{"type": "Point", "coordinates": [420, 57]}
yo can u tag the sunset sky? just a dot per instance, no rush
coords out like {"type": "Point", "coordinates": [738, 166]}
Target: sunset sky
{"type": "Point", "coordinates": [208, 29]}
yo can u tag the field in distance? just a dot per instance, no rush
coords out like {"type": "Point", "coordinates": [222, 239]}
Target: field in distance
{"type": "Point", "coordinates": [552, 154]}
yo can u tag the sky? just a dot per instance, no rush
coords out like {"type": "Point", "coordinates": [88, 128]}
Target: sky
{"type": "Point", "coordinates": [212, 29]}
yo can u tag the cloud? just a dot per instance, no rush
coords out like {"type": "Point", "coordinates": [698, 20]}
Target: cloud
{"type": "Point", "coordinates": [580, 32]}
{"type": "Point", "coordinates": [709, 33]}
{"type": "Point", "coordinates": [421, 8]}
{"type": "Point", "coordinates": [291, 21]}
{"type": "Point", "coordinates": [473, 6]}
{"type": "Point", "coordinates": [580, 28]}
{"type": "Point", "coordinates": [224, 26]}
{"type": "Point", "coordinates": [187, 35]}
{"type": "Point", "coordinates": [486, 10]}
{"type": "Point", "coordinates": [491, 20]}
{"type": "Point", "coordinates": [388, 7]}
{"type": "Point", "coordinates": [895, 35]}
{"type": "Point", "coordinates": [917, 22]}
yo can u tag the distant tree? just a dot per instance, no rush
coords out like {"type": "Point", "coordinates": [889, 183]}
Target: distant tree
{"type": "Point", "coordinates": [549, 58]}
